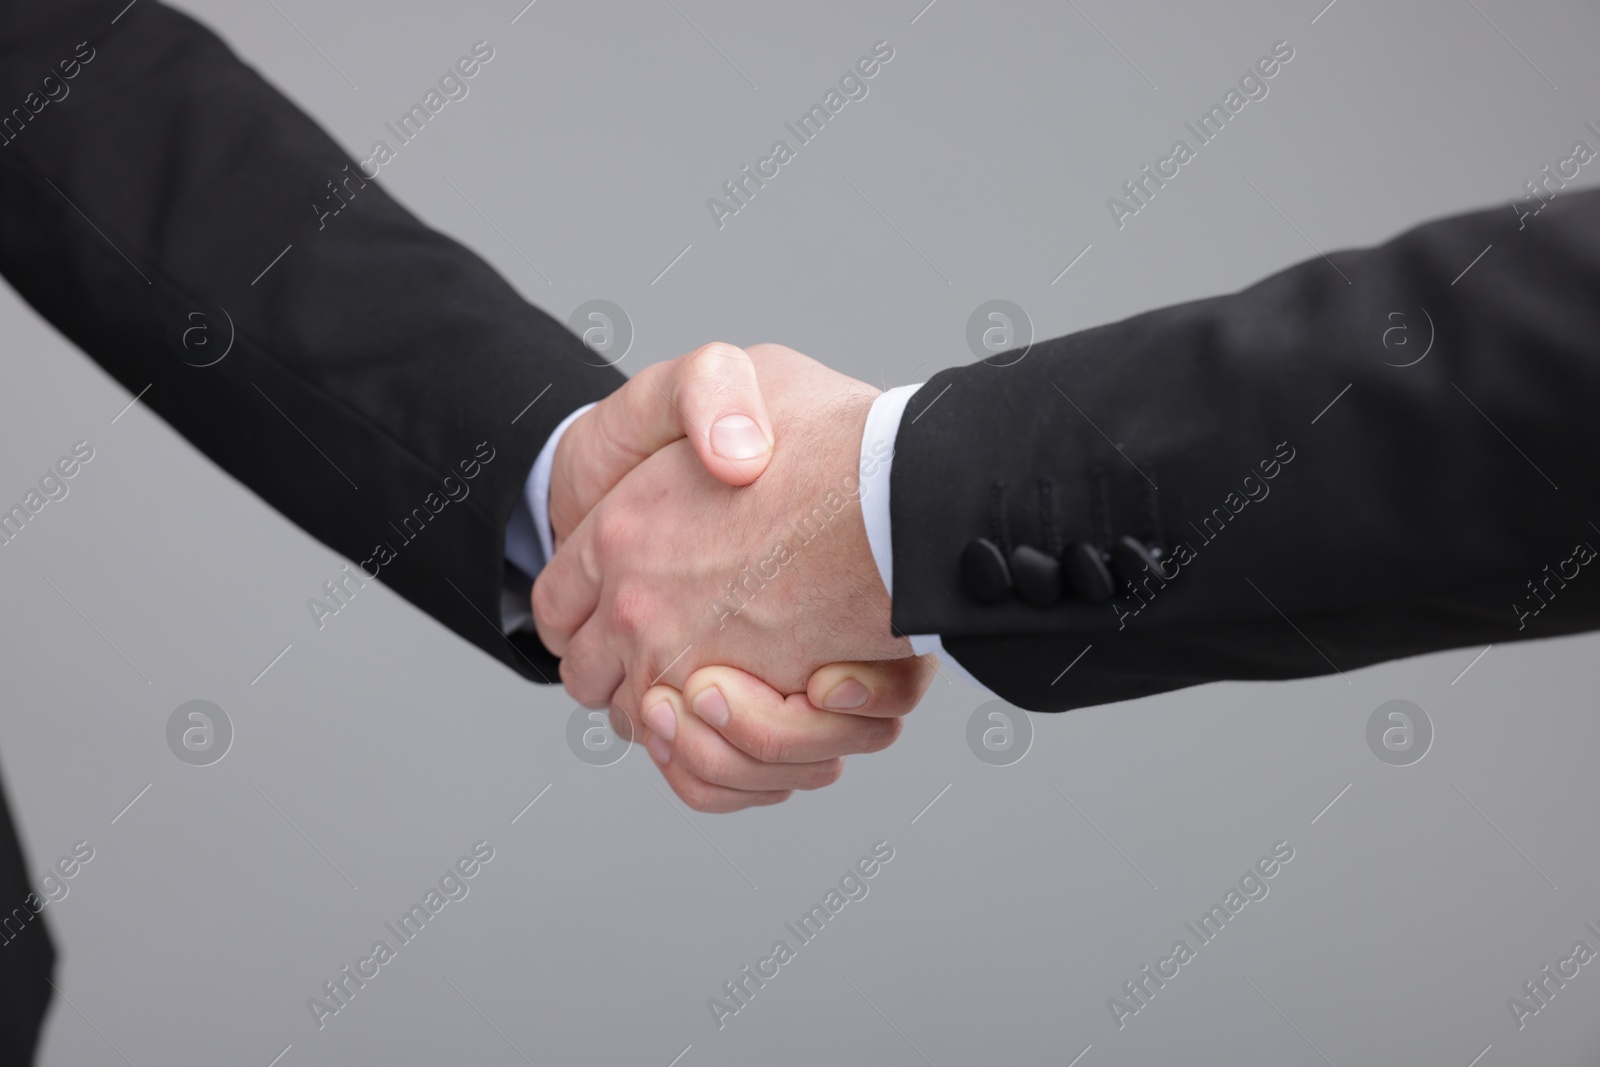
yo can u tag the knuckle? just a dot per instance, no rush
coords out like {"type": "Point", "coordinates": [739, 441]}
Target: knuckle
{"type": "Point", "coordinates": [591, 695]}
{"type": "Point", "coordinates": [715, 368]}
{"type": "Point", "coordinates": [630, 611]}
{"type": "Point", "coordinates": [572, 679]}
{"type": "Point", "coordinates": [582, 682]}
{"type": "Point", "coordinates": [713, 358]}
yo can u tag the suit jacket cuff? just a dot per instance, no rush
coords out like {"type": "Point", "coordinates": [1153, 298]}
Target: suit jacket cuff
{"type": "Point", "coordinates": [877, 461]}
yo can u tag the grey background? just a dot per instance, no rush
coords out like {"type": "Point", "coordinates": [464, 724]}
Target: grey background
{"type": "Point", "coordinates": [1414, 906]}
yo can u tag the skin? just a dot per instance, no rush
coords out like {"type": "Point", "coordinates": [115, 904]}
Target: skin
{"type": "Point", "coordinates": [709, 398]}
{"type": "Point", "coordinates": [771, 744]}
{"type": "Point", "coordinates": [634, 483]}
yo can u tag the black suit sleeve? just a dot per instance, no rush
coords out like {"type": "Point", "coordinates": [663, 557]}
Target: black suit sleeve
{"type": "Point", "coordinates": [1310, 503]}
{"type": "Point", "coordinates": [377, 387]}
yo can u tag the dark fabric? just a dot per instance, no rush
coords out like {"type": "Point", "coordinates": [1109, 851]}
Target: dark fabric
{"type": "Point", "coordinates": [27, 957]}
{"type": "Point", "coordinates": [146, 175]}
{"type": "Point", "coordinates": [1413, 514]}
{"type": "Point", "coordinates": [163, 183]}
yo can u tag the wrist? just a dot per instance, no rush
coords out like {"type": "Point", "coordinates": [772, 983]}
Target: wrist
{"type": "Point", "coordinates": [562, 504]}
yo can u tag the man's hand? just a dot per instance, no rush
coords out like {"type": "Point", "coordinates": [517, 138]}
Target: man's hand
{"type": "Point", "coordinates": [744, 743]}
{"type": "Point", "coordinates": [674, 570]}
{"type": "Point", "coordinates": [730, 741]}
{"type": "Point", "coordinates": [710, 396]}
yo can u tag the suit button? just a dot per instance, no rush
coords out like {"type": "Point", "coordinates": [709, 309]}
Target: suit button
{"type": "Point", "coordinates": [984, 574]}
{"type": "Point", "coordinates": [1087, 572]}
{"type": "Point", "coordinates": [1131, 556]}
{"type": "Point", "coordinates": [1036, 576]}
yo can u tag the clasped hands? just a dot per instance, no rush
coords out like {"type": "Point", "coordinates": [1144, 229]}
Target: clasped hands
{"type": "Point", "coordinates": [713, 585]}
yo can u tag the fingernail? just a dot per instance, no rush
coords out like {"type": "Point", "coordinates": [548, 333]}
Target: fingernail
{"type": "Point", "coordinates": [659, 750]}
{"type": "Point", "coordinates": [846, 696]}
{"type": "Point", "coordinates": [738, 437]}
{"type": "Point", "coordinates": [661, 719]}
{"type": "Point", "coordinates": [712, 706]}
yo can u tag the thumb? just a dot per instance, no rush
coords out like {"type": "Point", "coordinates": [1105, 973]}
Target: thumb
{"type": "Point", "coordinates": [885, 688]}
{"type": "Point", "coordinates": [710, 396]}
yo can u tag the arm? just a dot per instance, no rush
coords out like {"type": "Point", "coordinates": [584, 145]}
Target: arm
{"type": "Point", "coordinates": [165, 181]}
{"type": "Point", "coordinates": [1416, 510]}
{"type": "Point", "coordinates": [1274, 497]}
{"type": "Point", "coordinates": [384, 388]}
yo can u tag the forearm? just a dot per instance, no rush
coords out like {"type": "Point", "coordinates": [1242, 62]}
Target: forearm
{"type": "Point", "coordinates": [1418, 503]}
{"type": "Point", "coordinates": [385, 388]}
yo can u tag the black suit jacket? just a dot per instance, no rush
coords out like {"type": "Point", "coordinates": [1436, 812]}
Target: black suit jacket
{"type": "Point", "coordinates": [1299, 500]}
{"type": "Point", "coordinates": [373, 361]}
{"type": "Point", "coordinates": [378, 384]}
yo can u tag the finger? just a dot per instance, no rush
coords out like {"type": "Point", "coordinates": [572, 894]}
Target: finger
{"type": "Point", "coordinates": [715, 799]}
{"type": "Point", "coordinates": [883, 688]}
{"type": "Point", "coordinates": [625, 725]}
{"type": "Point", "coordinates": [566, 592]}
{"type": "Point", "coordinates": [685, 739]}
{"type": "Point", "coordinates": [709, 395]}
{"type": "Point", "coordinates": [763, 723]}
{"type": "Point", "coordinates": [693, 790]}
{"type": "Point", "coordinates": [590, 668]}
{"type": "Point", "coordinates": [718, 399]}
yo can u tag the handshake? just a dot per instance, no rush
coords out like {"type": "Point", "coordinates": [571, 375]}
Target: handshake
{"type": "Point", "coordinates": [712, 582]}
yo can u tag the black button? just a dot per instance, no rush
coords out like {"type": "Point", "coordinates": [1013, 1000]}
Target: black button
{"type": "Point", "coordinates": [1087, 572]}
{"type": "Point", "coordinates": [984, 574]}
{"type": "Point", "coordinates": [1131, 556]}
{"type": "Point", "coordinates": [1036, 576]}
